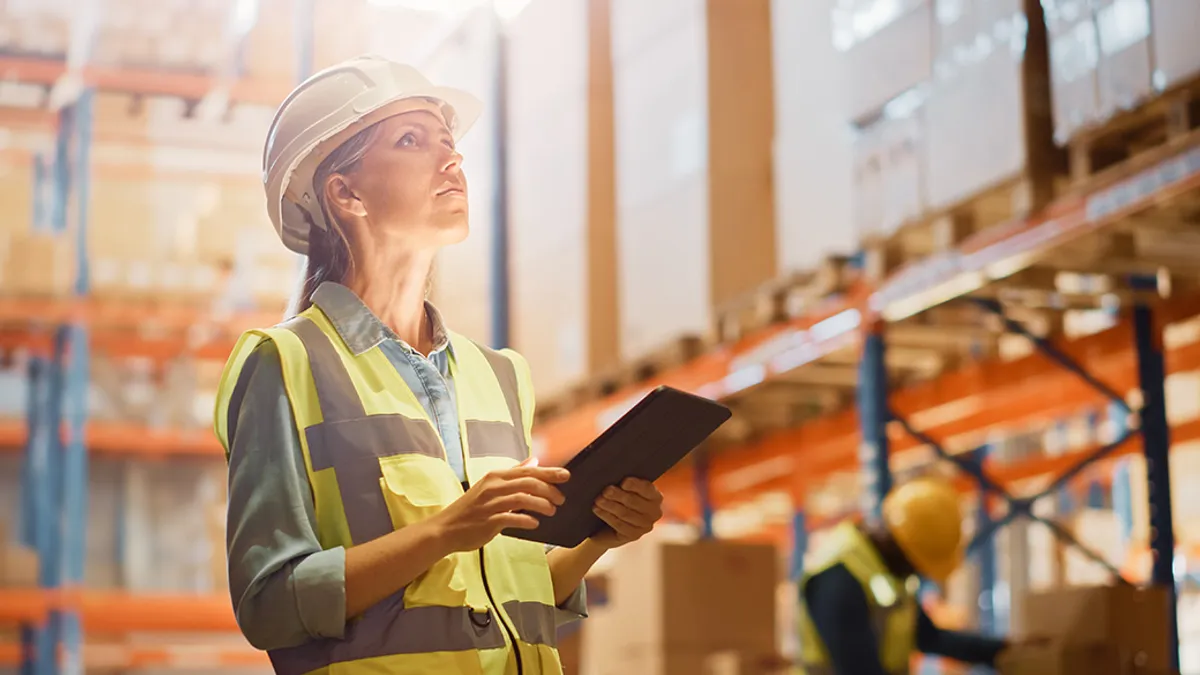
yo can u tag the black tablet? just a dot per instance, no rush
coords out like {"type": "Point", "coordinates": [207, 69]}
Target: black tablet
{"type": "Point", "coordinates": [647, 441]}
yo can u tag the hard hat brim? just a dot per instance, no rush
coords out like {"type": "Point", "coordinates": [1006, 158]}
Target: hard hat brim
{"type": "Point", "coordinates": [295, 197]}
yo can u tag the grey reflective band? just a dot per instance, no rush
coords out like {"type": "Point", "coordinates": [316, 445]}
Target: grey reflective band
{"type": "Point", "coordinates": [336, 395]}
{"type": "Point", "coordinates": [495, 439]}
{"type": "Point", "coordinates": [389, 628]}
{"type": "Point", "coordinates": [506, 375]}
{"type": "Point", "coordinates": [535, 622]}
{"type": "Point", "coordinates": [349, 446]}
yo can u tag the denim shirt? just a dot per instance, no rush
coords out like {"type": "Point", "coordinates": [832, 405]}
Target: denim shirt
{"type": "Point", "coordinates": [285, 589]}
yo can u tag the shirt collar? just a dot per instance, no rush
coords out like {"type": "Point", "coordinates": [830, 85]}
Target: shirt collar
{"type": "Point", "coordinates": [361, 330]}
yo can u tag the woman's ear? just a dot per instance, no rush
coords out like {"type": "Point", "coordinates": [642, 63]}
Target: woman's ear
{"type": "Point", "coordinates": [341, 197]}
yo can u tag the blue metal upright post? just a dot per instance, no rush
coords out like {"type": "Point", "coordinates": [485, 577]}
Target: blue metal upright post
{"type": "Point", "coordinates": [873, 420]}
{"type": "Point", "coordinates": [799, 543]}
{"type": "Point", "coordinates": [35, 495]}
{"type": "Point", "coordinates": [501, 329]}
{"type": "Point", "coordinates": [75, 401]}
{"type": "Point", "coordinates": [1156, 445]}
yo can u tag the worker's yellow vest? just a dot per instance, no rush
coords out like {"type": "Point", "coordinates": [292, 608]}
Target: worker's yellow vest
{"type": "Point", "coordinates": [892, 605]}
{"type": "Point", "coordinates": [376, 463]}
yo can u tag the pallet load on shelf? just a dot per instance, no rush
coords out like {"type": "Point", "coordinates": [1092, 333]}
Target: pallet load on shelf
{"type": "Point", "coordinates": [666, 615]}
{"type": "Point", "coordinates": [1098, 630]}
{"type": "Point", "coordinates": [694, 125]}
{"type": "Point", "coordinates": [1124, 77]}
{"type": "Point", "coordinates": [812, 158]}
{"type": "Point", "coordinates": [951, 107]}
{"type": "Point", "coordinates": [560, 181]}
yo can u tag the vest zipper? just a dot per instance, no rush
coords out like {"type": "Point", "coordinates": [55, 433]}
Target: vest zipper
{"type": "Point", "coordinates": [500, 613]}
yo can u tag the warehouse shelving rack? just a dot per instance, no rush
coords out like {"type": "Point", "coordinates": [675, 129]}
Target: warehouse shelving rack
{"type": "Point", "coordinates": [793, 459]}
{"type": "Point", "coordinates": [1125, 357]}
{"type": "Point", "coordinates": [60, 334]}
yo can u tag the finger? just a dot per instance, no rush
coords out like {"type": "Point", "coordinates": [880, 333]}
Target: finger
{"type": "Point", "coordinates": [642, 487]}
{"type": "Point", "coordinates": [632, 500]}
{"type": "Point", "coordinates": [622, 527]}
{"type": "Point", "coordinates": [523, 502]}
{"type": "Point", "coordinates": [632, 516]}
{"type": "Point", "coordinates": [531, 486]}
{"type": "Point", "coordinates": [548, 474]}
{"type": "Point", "coordinates": [520, 521]}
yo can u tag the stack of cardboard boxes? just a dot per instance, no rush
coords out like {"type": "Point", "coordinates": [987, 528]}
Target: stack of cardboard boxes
{"type": "Point", "coordinates": [1098, 630]}
{"type": "Point", "coordinates": [949, 99]}
{"type": "Point", "coordinates": [676, 609]}
{"type": "Point", "coordinates": [1111, 55]}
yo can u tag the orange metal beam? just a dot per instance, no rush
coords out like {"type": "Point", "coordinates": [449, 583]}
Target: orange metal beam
{"type": "Point", "coordinates": [115, 438]}
{"type": "Point", "coordinates": [127, 314]}
{"type": "Point", "coordinates": [98, 656]}
{"type": "Point", "coordinates": [143, 81]}
{"type": "Point", "coordinates": [119, 612]}
{"type": "Point", "coordinates": [1009, 394]}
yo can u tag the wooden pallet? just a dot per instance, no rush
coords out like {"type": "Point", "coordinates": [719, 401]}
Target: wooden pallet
{"type": "Point", "coordinates": [1017, 197]}
{"type": "Point", "coordinates": [781, 300]}
{"type": "Point", "coordinates": [1164, 120]}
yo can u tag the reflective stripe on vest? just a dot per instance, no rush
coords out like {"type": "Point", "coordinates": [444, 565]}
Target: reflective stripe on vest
{"type": "Point", "coordinates": [376, 463]}
{"type": "Point", "coordinates": [892, 609]}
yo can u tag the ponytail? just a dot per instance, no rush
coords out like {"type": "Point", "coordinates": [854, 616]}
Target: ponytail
{"type": "Point", "coordinates": [329, 257]}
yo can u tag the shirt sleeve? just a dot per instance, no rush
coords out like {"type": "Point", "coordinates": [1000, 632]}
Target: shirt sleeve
{"type": "Point", "coordinates": [964, 647]}
{"type": "Point", "coordinates": [838, 608]}
{"type": "Point", "coordinates": [285, 589]}
{"type": "Point", "coordinates": [574, 607]}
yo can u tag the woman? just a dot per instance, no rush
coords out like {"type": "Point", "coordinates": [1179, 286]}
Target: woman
{"type": "Point", "coordinates": [375, 456]}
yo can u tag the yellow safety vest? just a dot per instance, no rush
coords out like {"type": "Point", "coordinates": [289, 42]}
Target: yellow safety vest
{"type": "Point", "coordinates": [376, 463]}
{"type": "Point", "coordinates": [892, 604]}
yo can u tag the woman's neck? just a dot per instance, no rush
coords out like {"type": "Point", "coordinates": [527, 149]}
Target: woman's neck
{"type": "Point", "coordinates": [393, 286]}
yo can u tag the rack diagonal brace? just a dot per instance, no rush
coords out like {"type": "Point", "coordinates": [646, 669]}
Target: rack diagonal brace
{"type": "Point", "coordinates": [1023, 506]}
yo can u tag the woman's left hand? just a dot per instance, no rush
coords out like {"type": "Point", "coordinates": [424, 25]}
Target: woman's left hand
{"type": "Point", "coordinates": [631, 509]}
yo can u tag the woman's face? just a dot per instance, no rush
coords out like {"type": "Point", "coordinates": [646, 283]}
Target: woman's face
{"type": "Point", "coordinates": [410, 182]}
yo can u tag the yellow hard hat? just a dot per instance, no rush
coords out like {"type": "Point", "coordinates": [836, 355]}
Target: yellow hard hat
{"type": "Point", "coordinates": [925, 519]}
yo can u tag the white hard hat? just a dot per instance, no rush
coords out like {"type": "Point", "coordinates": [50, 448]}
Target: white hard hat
{"type": "Point", "coordinates": [327, 109]}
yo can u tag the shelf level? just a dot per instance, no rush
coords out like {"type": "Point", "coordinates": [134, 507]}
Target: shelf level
{"type": "Point", "coordinates": [145, 81]}
{"type": "Point", "coordinates": [120, 612]}
{"type": "Point", "coordinates": [993, 254]}
{"type": "Point", "coordinates": [110, 438]}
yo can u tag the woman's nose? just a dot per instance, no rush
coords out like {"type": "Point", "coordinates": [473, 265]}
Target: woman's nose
{"type": "Point", "coordinates": [453, 161]}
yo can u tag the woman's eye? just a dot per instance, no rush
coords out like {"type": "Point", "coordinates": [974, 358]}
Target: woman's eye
{"type": "Point", "coordinates": [449, 144]}
{"type": "Point", "coordinates": [407, 140]}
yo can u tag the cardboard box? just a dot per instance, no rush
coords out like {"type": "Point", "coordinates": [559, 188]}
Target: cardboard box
{"type": "Point", "coordinates": [561, 191]}
{"type": "Point", "coordinates": [988, 114]}
{"type": "Point", "coordinates": [40, 264]}
{"type": "Point", "coordinates": [1060, 659]}
{"type": "Point", "coordinates": [1074, 59]}
{"type": "Point", "coordinates": [1124, 71]}
{"type": "Point", "coordinates": [813, 155]}
{"type": "Point", "coordinates": [664, 597]}
{"type": "Point", "coordinates": [694, 128]}
{"type": "Point", "coordinates": [891, 59]}
{"type": "Point", "coordinates": [1176, 58]}
{"type": "Point", "coordinates": [1133, 621]}
{"type": "Point", "coordinates": [889, 188]}
{"type": "Point", "coordinates": [18, 563]}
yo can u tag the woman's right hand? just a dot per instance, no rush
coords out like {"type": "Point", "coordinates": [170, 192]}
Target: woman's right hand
{"type": "Point", "coordinates": [490, 505]}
